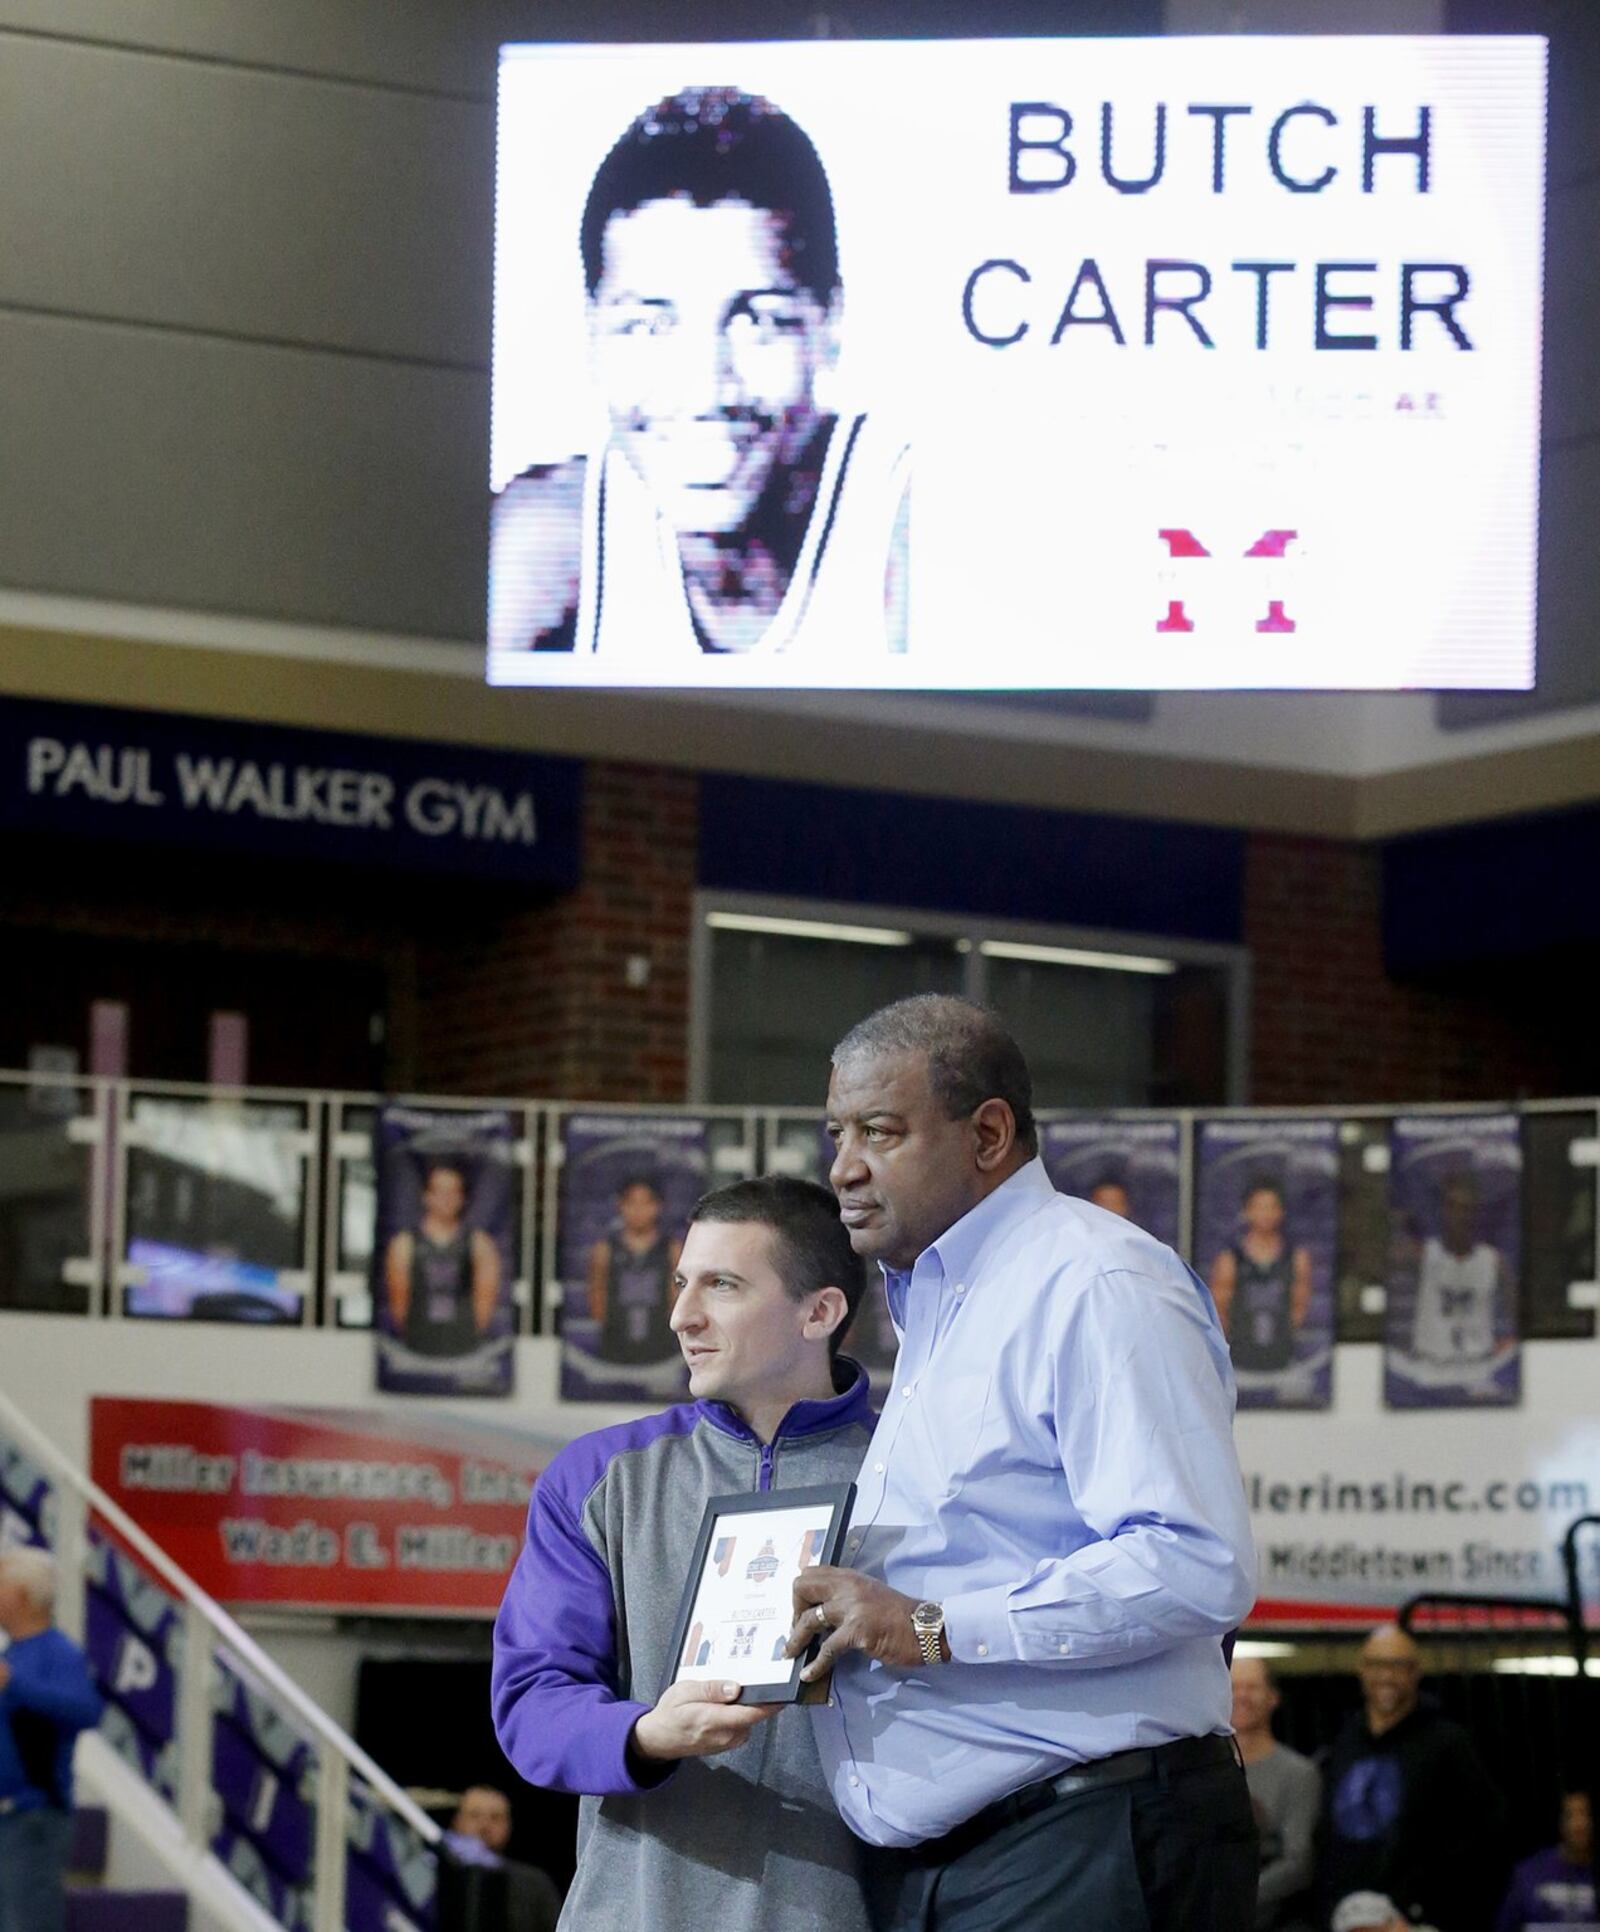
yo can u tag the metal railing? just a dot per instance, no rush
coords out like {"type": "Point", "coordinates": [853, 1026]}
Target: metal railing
{"type": "Point", "coordinates": [211, 1641]}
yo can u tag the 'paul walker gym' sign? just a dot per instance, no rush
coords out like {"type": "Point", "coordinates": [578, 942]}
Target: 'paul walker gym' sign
{"type": "Point", "coordinates": [94, 772]}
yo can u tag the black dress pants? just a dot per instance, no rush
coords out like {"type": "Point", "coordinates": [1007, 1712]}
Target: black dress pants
{"type": "Point", "coordinates": [1174, 1850]}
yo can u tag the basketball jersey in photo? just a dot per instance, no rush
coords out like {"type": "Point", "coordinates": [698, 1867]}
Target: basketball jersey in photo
{"type": "Point", "coordinates": [1260, 1329]}
{"type": "Point", "coordinates": [1455, 1303]}
{"type": "Point", "coordinates": [634, 603]}
{"type": "Point", "coordinates": [439, 1320]}
{"type": "Point", "coordinates": [636, 1324]}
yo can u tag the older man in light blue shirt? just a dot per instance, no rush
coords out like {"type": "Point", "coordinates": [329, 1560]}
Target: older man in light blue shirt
{"type": "Point", "coordinates": [1030, 1701]}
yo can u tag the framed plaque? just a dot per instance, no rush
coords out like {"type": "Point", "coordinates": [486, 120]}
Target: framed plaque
{"type": "Point", "coordinates": [738, 1607]}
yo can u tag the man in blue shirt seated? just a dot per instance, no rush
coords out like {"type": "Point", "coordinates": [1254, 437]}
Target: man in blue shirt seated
{"type": "Point", "coordinates": [46, 1699]}
{"type": "Point", "coordinates": [1030, 1701]}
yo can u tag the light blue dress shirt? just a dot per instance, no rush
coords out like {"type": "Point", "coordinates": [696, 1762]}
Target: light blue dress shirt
{"type": "Point", "coordinates": [1055, 1465]}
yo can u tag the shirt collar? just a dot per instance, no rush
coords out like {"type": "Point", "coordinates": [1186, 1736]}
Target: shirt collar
{"type": "Point", "coordinates": [959, 1251]}
{"type": "Point", "coordinates": [851, 1402]}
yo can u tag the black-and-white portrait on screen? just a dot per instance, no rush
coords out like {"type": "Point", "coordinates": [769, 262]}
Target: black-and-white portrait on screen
{"type": "Point", "coordinates": [726, 508]}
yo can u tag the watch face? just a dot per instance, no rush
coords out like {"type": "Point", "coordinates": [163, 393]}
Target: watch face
{"type": "Point", "coordinates": [927, 1616]}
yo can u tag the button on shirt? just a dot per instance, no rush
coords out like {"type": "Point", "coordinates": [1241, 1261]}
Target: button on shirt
{"type": "Point", "coordinates": [1055, 1465]}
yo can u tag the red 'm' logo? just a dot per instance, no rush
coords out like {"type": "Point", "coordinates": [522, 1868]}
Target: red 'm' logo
{"type": "Point", "coordinates": [1184, 543]}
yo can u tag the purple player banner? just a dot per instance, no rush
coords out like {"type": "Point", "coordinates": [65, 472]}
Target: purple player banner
{"type": "Point", "coordinates": [628, 1182]}
{"type": "Point", "coordinates": [1265, 1240]}
{"type": "Point", "coordinates": [1455, 1208]}
{"type": "Point", "coordinates": [442, 1251]}
{"type": "Point", "coordinates": [1129, 1167]}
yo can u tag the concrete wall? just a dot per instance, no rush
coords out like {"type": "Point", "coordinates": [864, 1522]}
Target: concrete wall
{"type": "Point", "coordinates": [244, 306]}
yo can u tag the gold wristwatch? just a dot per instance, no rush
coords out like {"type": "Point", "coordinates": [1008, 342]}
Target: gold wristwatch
{"type": "Point", "coordinates": [927, 1620]}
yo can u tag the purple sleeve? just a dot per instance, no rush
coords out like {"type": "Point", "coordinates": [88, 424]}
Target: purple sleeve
{"type": "Point", "coordinates": [1514, 1912]}
{"type": "Point", "coordinates": [554, 1686]}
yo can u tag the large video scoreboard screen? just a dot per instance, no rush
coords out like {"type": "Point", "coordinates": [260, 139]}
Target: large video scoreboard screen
{"type": "Point", "coordinates": [1126, 364]}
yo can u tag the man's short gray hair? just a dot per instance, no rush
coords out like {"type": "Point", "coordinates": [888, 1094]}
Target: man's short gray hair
{"type": "Point", "coordinates": [34, 1573]}
{"type": "Point", "coordinates": [971, 1056]}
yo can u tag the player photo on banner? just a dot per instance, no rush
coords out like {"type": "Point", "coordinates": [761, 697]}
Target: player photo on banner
{"type": "Point", "coordinates": [627, 1185]}
{"type": "Point", "coordinates": [1193, 394]}
{"type": "Point", "coordinates": [798, 1144]}
{"type": "Point", "coordinates": [1451, 1336]}
{"type": "Point", "coordinates": [442, 1253]}
{"type": "Point", "coordinates": [1128, 1167]}
{"type": "Point", "coordinates": [1265, 1242]}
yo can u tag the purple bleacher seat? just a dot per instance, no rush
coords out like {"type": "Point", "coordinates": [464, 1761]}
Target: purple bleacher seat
{"type": "Point", "coordinates": [91, 1833]}
{"type": "Point", "coordinates": [100, 1910]}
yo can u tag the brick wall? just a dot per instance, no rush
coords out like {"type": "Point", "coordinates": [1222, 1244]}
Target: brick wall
{"type": "Point", "coordinates": [536, 999]}
{"type": "Point", "coordinates": [1331, 1026]}
{"type": "Point", "coordinates": [312, 954]}
{"type": "Point", "coordinates": [486, 989]}
{"type": "Point", "coordinates": [492, 991]}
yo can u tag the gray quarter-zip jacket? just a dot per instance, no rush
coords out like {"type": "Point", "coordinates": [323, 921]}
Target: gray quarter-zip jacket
{"type": "Point", "coordinates": [748, 1841]}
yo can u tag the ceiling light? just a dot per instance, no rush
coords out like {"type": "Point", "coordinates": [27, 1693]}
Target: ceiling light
{"type": "Point", "coordinates": [1076, 956]}
{"type": "Point", "coordinates": [807, 929]}
{"type": "Point", "coordinates": [1563, 1664]}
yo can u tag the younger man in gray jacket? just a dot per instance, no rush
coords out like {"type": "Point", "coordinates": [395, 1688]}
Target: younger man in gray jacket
{"type": "Point", "coordinates": [698, 1809]}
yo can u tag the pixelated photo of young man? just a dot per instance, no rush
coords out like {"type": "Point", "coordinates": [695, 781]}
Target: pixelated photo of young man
{"type": "Point", "coordinates": [723, 505]}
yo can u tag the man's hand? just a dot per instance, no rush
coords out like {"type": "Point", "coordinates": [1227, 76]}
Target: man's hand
{"type": "Point", "coordinates": [858, 1613]}
{"type": "Point", "coordinates": [5, 1673]}
{"type": "Point", "coordinates": [696, 1720]}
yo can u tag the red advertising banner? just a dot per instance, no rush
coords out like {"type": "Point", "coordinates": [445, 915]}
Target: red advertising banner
{"type": "Point", "coordinates": [332, 1508]}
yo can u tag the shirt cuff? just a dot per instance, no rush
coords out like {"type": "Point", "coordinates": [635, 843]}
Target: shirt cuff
{"type": "Point", "coordinates": [977, 1626]}
{"type": "Point", "coordinates": [633, 1772]}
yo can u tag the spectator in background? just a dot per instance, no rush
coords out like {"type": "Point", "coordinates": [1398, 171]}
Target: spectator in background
{"type": "Point", "coordinates": [1556, 1887]}
{"type": "Point", "coordinates": [519, 1898]}
{"type": "Point", "coordinates": [46, 1698]}
{"type": "Point", "coordinates": [1286, 1793]}
{"type": "Point", "coordinates": [1408, 1809]}
{"type": "Point", "coordinates": [481, 1828]}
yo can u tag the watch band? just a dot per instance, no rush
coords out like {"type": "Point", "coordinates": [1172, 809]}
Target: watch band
{"type": "Point", "coordinates": [929, 1634]}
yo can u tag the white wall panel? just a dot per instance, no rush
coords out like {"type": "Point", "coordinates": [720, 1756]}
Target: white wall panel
{"type": "Point", "coordinates": [158, 468]}
{"type": "Point", "coordinates": [442, 45]}
{"type": "Point", "coordinates": [254, 204]}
